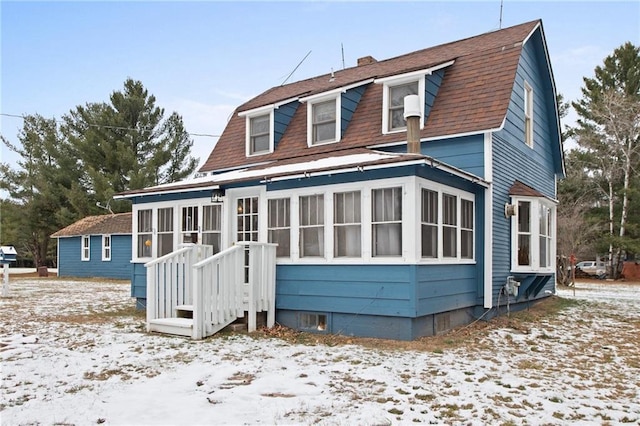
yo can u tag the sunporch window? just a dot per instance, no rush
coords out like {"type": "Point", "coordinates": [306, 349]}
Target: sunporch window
{"type": "Point", "coordinates": [386, 224]}
{"type": "Point", "coordinates": [189, 224]}
{"type": "Point", "coordinates": [312, 226]}
{"type": "Point", "coordinates": [165, 231]}
{"type": "Point", "coordinates": [279, 225]}
{"type": "Point", "coordinates": [347, 227]}
{"type": "Point", "coordinates": [212, 226]}
{"type": "Point", "coordinates": [429, 223]}
{"type": "Point", "coordinates": [145, 236]}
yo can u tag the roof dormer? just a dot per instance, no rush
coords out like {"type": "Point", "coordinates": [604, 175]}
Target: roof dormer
{"type": "Point", "coordinates": [329, 113]}
{"type": "Point", "coordinates": [266, 125]}
{"type": "Point", "coordinates": [424, 83]}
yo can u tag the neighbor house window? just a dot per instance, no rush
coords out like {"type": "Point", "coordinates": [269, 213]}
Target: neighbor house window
{"type": "Point", "coordinates": [386, 222]}
{"type": "Point", "coordinates": [212, 226]}
{"type": "Point", "coordinates": [395, 111]}
{"type": "Point", "coordinates": [533, 234]}
{"type": "Point", "coordinates": [429, 223]}
{"type": "Point", "coordinates": [189, 224]}
{"type": "Point", "coordinates": [145, 227]}
{"type": "Point", "coordinates": [347, 224]}
{"type": "Point", "coordinates": [312, 226]}
{"type": "Point", "coordinates": [260, 134]}
{"type": "Point", "coordinates": [279, 225]}
{"type": "Point", "coordinates": [106, 248]}
{"type": "Point", "coordinates": [86, 247]}
{"type": "Point", "coordinates": [165, 231]}
{"type": "Point", "coordinates": [324, 126]}
{"type": "Point", "coordinates": [528, 114]}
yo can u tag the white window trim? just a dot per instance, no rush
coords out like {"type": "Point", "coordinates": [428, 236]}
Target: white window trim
{"type": "Point", "coordinates": [85, 249]}
{"type": "Point", "coordinates": [248, 117]}
{"type": "Point", "coordinates": [387, 85]}
{"type": "Point", "coordinates": [177, 229]}
{"type": "Point", "coordinates": [313, 101]}
{"type": "Point", "coordinates": [534, 267]}
{"type": "Point", "coordinates": [528, 114]}
{"type": "Point", "coordinates": [106, 258]}
{"type": "Point", "coordinates": [460, 195]}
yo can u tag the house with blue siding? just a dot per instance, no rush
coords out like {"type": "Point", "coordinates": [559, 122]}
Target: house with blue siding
{"type": "Point", "coordinates": [398, 198]}
{"type": "Point", "coordinates": [96, 246]}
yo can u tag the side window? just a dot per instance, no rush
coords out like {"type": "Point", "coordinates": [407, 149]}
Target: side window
{"type": "Point", "coordinates": [386, 223]}
{"type": "Point", "coordinates": [449, 225]}
{"type": "Point", "coordinates": [429, 231]}
{"type": "Point", "coordinates": [466, 229]}
{"type": "Point", "coordinates": [524, 233]}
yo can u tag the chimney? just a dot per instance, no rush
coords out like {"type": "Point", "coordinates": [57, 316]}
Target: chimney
{"type": "Point", "coordinates": [366, 60]}
{"type": "Point", "coordinates": [412, 115]}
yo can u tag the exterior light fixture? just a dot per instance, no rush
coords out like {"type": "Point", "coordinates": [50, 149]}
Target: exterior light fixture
{"type": "Point", "coordinates": [216, 195]}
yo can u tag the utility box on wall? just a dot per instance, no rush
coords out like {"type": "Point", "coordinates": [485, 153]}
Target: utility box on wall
{"type": "Point", "coordinates": [8, 254]}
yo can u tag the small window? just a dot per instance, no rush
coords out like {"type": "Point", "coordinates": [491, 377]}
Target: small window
{"type": "Point", "coordinates": [279, 229]}
{"type": "Point", "coordinates": [396, 104]}
{"type": "Point", "coordinates": [386, 223]}
{"type": "Point", "coordinates": [86, 247]}
{"type": "Point", "coordinates": [145, 226]}
{"type": "Point", "coordinates": [106, 248]}
{"type": "Point", "coordinates": [312, 226]}
{"type": "Point", "coordinates": [449, 225]}
{"type": "Point", "coordinates": [260, 134]}
{"type": "Point", "coordinates": [466, 229]}
{"type": "Point", "coordinates": [313, 322]}
{"type": "Point", "coordinates": [165, 231]}
{"type": "Point", "coordinates": [347, 224]}
{"type": "Point", "coordinates": [528, 114]}
{"type": "Point", "coordinates": [212, 226]}
{"type": "Point", "coordinates": [323, 122]}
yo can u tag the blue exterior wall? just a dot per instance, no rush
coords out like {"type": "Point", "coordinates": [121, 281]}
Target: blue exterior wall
{"type": "Point", "coordinates": [514, 159]}
{"type": "Point", "coordinates": [465, 153]}
{"type": "Point", "coordinates": [71, 265]}
{"type": "Point", "coordinates": [281, 119]}
{"type": "Point", "coordinates": [349, 102]}
{"type": "Point", "coordinates": [431, 87]}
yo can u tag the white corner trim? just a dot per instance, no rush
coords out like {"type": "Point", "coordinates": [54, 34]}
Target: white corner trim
{"type": "Point", "coordinates": [488, 247]}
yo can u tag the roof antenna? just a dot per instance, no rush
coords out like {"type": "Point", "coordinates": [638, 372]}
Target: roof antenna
{"type": "Point", "coordinates": [500, 25]}
{"type": "Point", "coordinates": [107, 207]}
{"type": "Point", "coordinates": [294, 70]}
{"type": "Point", "coordinates": [342, 48]}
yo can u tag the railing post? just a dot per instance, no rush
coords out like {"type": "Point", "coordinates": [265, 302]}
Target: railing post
{"type": "Point", "coordinates": [251, 324]}
{"type": "Point", "coordinates": [198, 305]}
{"type": "Point", "coordinates": [271, 288]}
{"type": "Point", "coordinates": [151, 295]}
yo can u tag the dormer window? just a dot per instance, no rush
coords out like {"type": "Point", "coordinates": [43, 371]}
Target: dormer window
{"type": "Point", "coordinates": [396, 104]}
{"type": "Point", "coordinates": [323, 118]}
{"type": "Point", "coordinates": [259, 134]}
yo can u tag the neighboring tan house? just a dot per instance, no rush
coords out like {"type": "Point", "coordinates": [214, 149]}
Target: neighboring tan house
{"type": "Point", "coordinates": [96, 246]}
{"type": "Point", "coordinates": [381, 230]}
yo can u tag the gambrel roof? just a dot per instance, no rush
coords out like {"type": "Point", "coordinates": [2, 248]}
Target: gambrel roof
{"type": "Point", "coordinates": [473, 97]}
{"type": "Point", "coordinates": [119, 223]}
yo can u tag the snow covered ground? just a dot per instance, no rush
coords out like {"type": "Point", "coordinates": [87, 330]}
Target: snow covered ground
{"type": "Point", "coordinates": [75, 352]}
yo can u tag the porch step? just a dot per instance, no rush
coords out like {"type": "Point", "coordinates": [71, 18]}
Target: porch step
{"type": "Point", "coordinates": [184, 311]}
{"type": "Point", "coordinates": [177, 326]}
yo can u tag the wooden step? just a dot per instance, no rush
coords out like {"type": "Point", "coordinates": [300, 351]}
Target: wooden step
{"type": "Point", "coordinates": [176, 326]}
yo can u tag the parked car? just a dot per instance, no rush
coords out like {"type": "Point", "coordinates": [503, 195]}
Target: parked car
{"type": "Point", "coordinates": [591, 267]}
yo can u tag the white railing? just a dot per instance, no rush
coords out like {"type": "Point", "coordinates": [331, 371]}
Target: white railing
{"type": "Point", "coordinates": [224, 288]}
{"type": "Point", "coordinates": [169, 280]}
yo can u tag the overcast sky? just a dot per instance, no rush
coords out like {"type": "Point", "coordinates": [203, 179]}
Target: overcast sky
{"type": "Point", "coordinates": [202, 59]}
